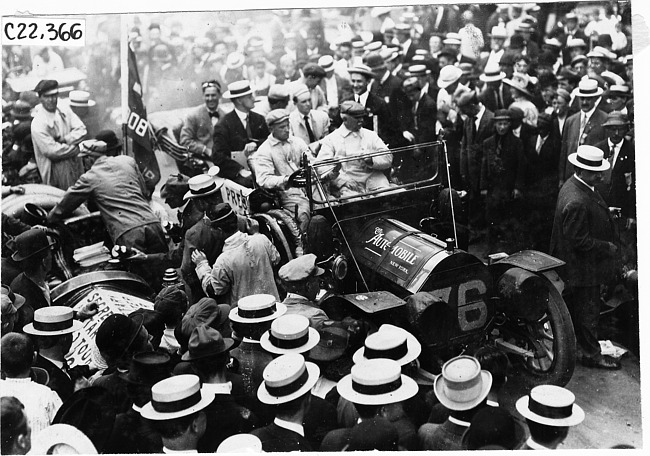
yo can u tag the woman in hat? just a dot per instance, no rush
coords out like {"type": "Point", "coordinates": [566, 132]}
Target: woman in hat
{"type": "Point", "coordinates": [519, 89]}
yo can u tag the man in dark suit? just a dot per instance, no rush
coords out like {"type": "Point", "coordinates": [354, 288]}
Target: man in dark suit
{"type": "Point", "coordinates": [584, 127]}
{"type": "Point", "coordinates": [494, 95]}
{"type": "Point", "coordinates": [585, 237]}
{"type": "Point", "coordinates": [384, 85]}
{"type": "Point", "coordinates": [335, 87]}
{"type": "Point", "coordinates": [241, 130]}
{"type": "Point", "coordinates": [198, 126]}
{"type": "Point", "coordinates": [33, 252]}
{"type": "Point", "coordinates": [405, 40]}
{"type": "Point", "coordinates": [288, 381]}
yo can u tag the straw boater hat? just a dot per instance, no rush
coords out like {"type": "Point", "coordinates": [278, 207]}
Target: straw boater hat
{"type": "Point", "coordinates": [462, 385]}
{"type": "Point", "coordinates": [326, 62]}
{"type": "Point", "coordinates": [519, 81]}
{"type": "Point", "coordinates": [376, 382]}
{"type": "Point", "coordinates": [286, 378]}
{"type": "Point", "coordinates": [235, 60]}
{"type": "Point", "coordinates": [492, 73]}
{"type": "Point", "coordinates": [240, 443]}
{"type": "Point", "coordinates": [257, 309]}
{"type": "Point", "coordinates": [203, 185]}
{"type": "Point", "coordinates": [418, 70]}
{"type": "Point", "coordinates": [498, 32]}
{"type": "Point", "coordinates": [590, 158]}
{"type": "Point", "coordinates": [448, 75]}
{"type": "Point", "coordinates": [52, 321]}
{"type": "Point", "coordinates": [620, 90]}
{"type": "Point", "coordinates": [289, 334]}
{"type": "Point", "coordinates": [361, 69]}
{"type": "Point", "coordinates": [175, 397]}
{"type": "Point", "coordinates": [390, 342]}
{"type": "Point", "coordinates": [60, 433]}
{"type": "Point", "coordinates": [373, 46]}
{"type": "Point", "coordinates": [576, 42]}
{"type": "Point", "coordinates": [588, 88]}
{"type": "Point", "coordinates": [238, 89]}
{"type": "Point", "coordinates": [80, 98]}
{"type": "Point", "coordinates": [551, 405]}
{"type": "Point", "coordinates": [375, 61]}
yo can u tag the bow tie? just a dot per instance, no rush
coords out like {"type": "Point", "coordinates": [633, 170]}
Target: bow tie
{"type": "Point", "coordinates": [213, 114]}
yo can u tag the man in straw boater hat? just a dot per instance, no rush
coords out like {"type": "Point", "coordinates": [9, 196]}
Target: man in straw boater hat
{"type": "Point", "coordinates": [585, 237]}
{"type": "Point", "coordinates": [549, 411]}
{"type": "Point", "coordinates": [56, 134]}
{"type": "Point", "coordinates": [583, 127]}
{"type": "Point", "coordinates": [287, 385]}
{"type": "Point", "coordinates": [209, 353]}
{"type": "Point", "coordinates": [494, 94]}
{"type": "Point", "coordinates": [241, 130]}
{"type": "Point", "coordinates": [463, 388]}
{"type": "Point", "coordinates": [177, 412]}
{"type": "Point", "coordinates": [372, 386]}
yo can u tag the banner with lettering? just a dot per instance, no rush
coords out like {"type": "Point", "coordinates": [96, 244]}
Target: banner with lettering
{"type": "Point", "coordinates": [83, 349]}
{"type": "Point", "coordinates": [237, 196]}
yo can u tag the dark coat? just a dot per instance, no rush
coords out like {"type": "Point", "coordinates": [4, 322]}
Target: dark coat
{"type": "Point", "coordinates": [583, 228]}
{"type": "Point", "coordinates": [502, 168]}
{"type": "Point", "coordinates": [319, 420]}
{"type": "Point", "coordinates": [616, 194]}
{"type": "Point", "coordinates": [276, 438]}
{"type": "Point", "coordinates": [58, 381]}
{"type": "Point", "coordinates": [422, 124]}
{"type": "Point", "coordinates": [490, 97]}
{"type": "Point", "coordinates": [343, 86]}
{"type": "Point", "coordinates": [133, 434]}
{"type": "Point", "coordinates": [471, 149]}
{"type": "Point", "coordinates": [380, 434]}
{"type": "Point", "coordinates": [32, 293]}
{"type": "Point", "coordinates": [252, 361]}
{"type": "Point", "coordinates": [230, 136]}
{"type": "Point", "coordinates": [447, 436]}
{"type": "Point", "coordinates": [541, 167]}
{"type": "Point", "coordinates": [593, 134]}
{"type": "Point", "coordinates": [117, 386]}
{"type": "Point", "coordinates": [385, 89]}
{"type": "Point", "coordinates": [225, 418]}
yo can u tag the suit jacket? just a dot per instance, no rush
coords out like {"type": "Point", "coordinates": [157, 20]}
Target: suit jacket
{"type": "Point", "coordinates": [319, 121]}
{"type": "Point", "coordinates": [490, 98]}
{"type": "Point", "coordinates": [541, 167]}
{"type": "Point", "coordinates": [380, 434]}
{"type": "Point", "coordinates": [502, 169]}
{"type": "Point", "coordinates": [133, 434]}
{"type": "Point", "coordinates": [343, 86]}
{"type": "Point", "coordinates": [471, 149]}
{"type": "Point", "coordinates": [616, 193]}
{"type": "Point", "coordinates": [582, 230]}
{"type": "Point", "coordinates": [32, 293]}
{"type": "Point", "coordinates": [447, 436]}
{"type": "Point", "coordinates": [385, 89]}
{"type": "Point", "coordinates": [252, 361]}
{"type": "Point", "coordinates": [276, 438]}
{"type": "Point", "coordinates": [225, 418]}
{"type": "Point", "coordinates": [58, 381]}
{"type": "Point", "coordinates": [230, 136]}
{"type": "Point", "coordinates": [593, 134]}
{"type": "Point", "coordinates": [197, 130]}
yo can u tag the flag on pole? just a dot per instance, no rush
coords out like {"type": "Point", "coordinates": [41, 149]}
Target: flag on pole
{"type": "Point", "coordinates": [138, 127]}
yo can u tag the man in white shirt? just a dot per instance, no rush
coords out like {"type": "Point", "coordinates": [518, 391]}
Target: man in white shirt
{"type": "Point", "coordinates": [306, 123]}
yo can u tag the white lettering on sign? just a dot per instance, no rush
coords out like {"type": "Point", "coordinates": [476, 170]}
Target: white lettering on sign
{"type": "Point", "coordinates": [472, 312]}
{"type": "Point", "coordinates": [237, 196]}
{"type": "Point", "coordinates": [397, 251]}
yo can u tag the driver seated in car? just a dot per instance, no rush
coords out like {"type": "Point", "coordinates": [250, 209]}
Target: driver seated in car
{"type": "Point", "coordinates": [360, 176]}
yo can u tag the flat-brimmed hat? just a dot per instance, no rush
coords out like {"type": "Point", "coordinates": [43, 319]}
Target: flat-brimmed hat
{"type": "Point", "coordinates": [590, 158]}
{"type": "Point", "coordinates": [588, 88]}
{"type": "Point", "coordinates": [276, 116]}
{"type": "Point", "coordinates": [80, 98]}
{"type": "Point", "coordinates": [616, 119]}
{"type": "Point", "coordinates": [52, 321]}
{"type": "Point", "coordinates": [599, 52]}
{"type": "Point", "coordinates": [352, 108]}
{"type": "Point", "coordinates": [519, 82]}
{"type": "Point", "coordinates": [550, 405]}
{"type": "Point", "coordinates": [29, 243]}
{"type": "Point", "coordinates": [373, 46]}
{"type": "Point", "coordinates": [578, 58]}
{"type": "Point", "coordinates": [502, 114]}
{"type": "Point", "coordinates": [620, 90]}
{"type": "Point", "coordinates": [223, 215]}
{"type": "Point", "coordinates": [240, 443]}
{"type": "Point", "coordinates": [374, 61]}
{"type": "Point", "coordinates": [235, 60]}
{"type": "Point", "coordinates": [326, 62]}
{"type": "Point", "coordinates": [238, 89]}
{"type": "Point", "coordinates": [449, 52]}
{"type": "Point", "coordinates": [257, 309]}
{"type": "Point", "coordinates": [286, 378]}
{"type": "Point", "coordinates": [576, 42]}
{"type": "Point", "coordinates": [203, 185]}
{"type": "Point", "coordinates": [21, 110]}
{"type": "Point", "coordinates": [390, 342]}
{"type": "Point", "coordinates": [376, 382]}
{"type": "Point", "coordinates": [206, 342]}
{"type": "Point", "coordinates": [462, 385]}
{"type": "Point", "coordinates": [388, 54]}
{"type": "Point", "coordinates": [147, 368]}
{"type": "Point", "coordinates": [117, 332]}
{"type": "Point", "coordinates": [448, 75]}
{"type": "Point", "coordinates": [553, 43]}
{"type": "Point", "coordinates": [498, 32]}
{"type": "Point", "coordinates": [47, 87]}
{"type": "Point", "coordinates": [175, 397]}
{"type": "Point", "coordinates": [492, 73]}
{"type": "Point", "coordinates": [418, 70]}
{"type": "Point", "coordinates": [313, 69]}
{"type": "Point", "coordinates": [289, 334]}
{"type": "Point", "coordinates": [56, 434]}
{"type": "Point", "coordinates": [402, 27]}
{"type": "Point", "coordinates": [300, 269]}
{"type": "Point", "coordinates": [494, 426]}
{"type": "Point", "coordinates": [332, 344]}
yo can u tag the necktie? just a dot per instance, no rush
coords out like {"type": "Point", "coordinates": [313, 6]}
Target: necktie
{"type": "Point", "coordinates": [612, 153]}
{"type": "Point", "coordinates": [415, 114]}
{"type": "Point", "coordinates": [249, 135]}
{"type": "Point", "coordinates": [540, 144]}
{"type": "Point", "coordinates": [472, 121]}
{"type": "Point", "coordinates": [310, 132]}
{"type": "Point", "coordinates": [583, 124]}
{"type": "Point", "coordinates": [358, 99]}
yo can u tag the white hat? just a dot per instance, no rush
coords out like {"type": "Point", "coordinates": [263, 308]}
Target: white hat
{"type": "Point", "coordinates": [203, 185]}
{"type": "Point", "coordinates": [575, 42]}
{"type": "Point", "coordinates": [590, 158]}
{"type": "Point", "coordinates": [492, 73]}
{"type": "Point", "coordinates": [551, 405]}
{"type": "Point", "coordinates": [600, 52]}
{"type": "Point", "coordinates": [290, 334]}
{"type": "Point", "coordinates": [238, 89]}
{"type": "Point", "coordinates": [80, 98]}
{"type": "Point", "coordinates": [462, 385]}
{"type": "Point", "coordinates": [235, 60]}
{"type": "Point", "coordinates": [499, 32]}
{"type": "Point", "coordinates": [390, 342]}
{"type": "Point", "coordinates": [376, 382]}
{"type": "Point", "coordinates": [448, 75]}
{"type": "Point", "coordinates": [175, 397]}
{"type": "Point", "coordinates": [240, 443]}
{"type": "Point", "coordinates": [257, 308]}
{"type": "Point", "coordinates": [57, 434]}
{"type": "Point", "coordinates": [588, 88]}
{"type": "Point", "coordinates": [326, 62]}
{"type": "Point", "coordinates": [286, 378]}
{"type": "Point", "coordinates": [52, 321]}
{"type": "Point", "coordinates": [299, 89]}
{"type": "Point", "coordinates": [373, 46]}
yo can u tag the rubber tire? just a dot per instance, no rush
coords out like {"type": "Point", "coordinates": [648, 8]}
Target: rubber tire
{"type": "Point", "coordinates": [564, 346]}
{"type": "Point", "coordinates": [45, 196]}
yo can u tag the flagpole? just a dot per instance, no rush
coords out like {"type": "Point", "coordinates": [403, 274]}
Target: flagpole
{"type": "Point", "coordinates": [124, 78]}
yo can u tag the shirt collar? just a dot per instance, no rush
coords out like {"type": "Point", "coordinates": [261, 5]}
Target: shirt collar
{"type": "Point", "coordinates": [590, 112]}
{"type": "Point", "coordinates": [296, 296]}
{"type": "Point", "coordinates": [218, 388]}
{"type": "Point", "coordinates": [250, 341]}
{"type": "Point", "coordinates": [458, 422]}
{"type": "Point", "coordinates": [273, 141]}
{"type": "Point", "coordinates": [168, 451]}
{"type": "Point", "coordinates": [592, 188]}
{"type": "Point", "coordinates": [610, 144]}
{"type": "Point", "coordinates": [536, 446]}
{"type": "Point", "coordinates": [57, 363]}
{"type": "Point", "coordinates": [235, 240]}
{"type": "Point", "coordinates": [295, 427]}
{"type": "Point", "coordinates": [241, 114]}
{"type": "Point", "coordinates": [345, 132]}
{"type": "Point", "coordinates": [18, 380]}
{"type": "Point", "coordinates": [481, 111]}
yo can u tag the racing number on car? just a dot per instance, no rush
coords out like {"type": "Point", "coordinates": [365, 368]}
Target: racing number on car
{"type": "Point", "coordinates": [472, 309]}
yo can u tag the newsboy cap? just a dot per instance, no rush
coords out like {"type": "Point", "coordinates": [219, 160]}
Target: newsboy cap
{"type": "Point", "coordinates": [47, 87]}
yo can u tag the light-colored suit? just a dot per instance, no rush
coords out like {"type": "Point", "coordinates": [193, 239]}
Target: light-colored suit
{"type": "Point", "coordinates": [197, 131]}
{"type": "Point", "coordinates": [319, 121]}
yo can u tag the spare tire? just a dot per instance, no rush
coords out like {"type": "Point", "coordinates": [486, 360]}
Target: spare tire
{"type": "Point", "coordinates": [41, 195]}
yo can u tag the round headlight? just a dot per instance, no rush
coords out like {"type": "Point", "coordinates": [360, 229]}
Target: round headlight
{"type": "Point", "coordinates": [340, 267]}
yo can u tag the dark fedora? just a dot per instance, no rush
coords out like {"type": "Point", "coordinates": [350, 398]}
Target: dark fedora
{"type": "Point", "coordinates": [206, 342]}
{"type": "Point", "coordinates": [110, 138]}
{"type": "Point", "coordinates": [223, 214]}
{"type": "Point", "coordinates": [147, 368]}
{"type": "Point", "coordinates": [29, 243]}
{"type": "Point", "coordinates": [21, 110]}
{"type": "Point", "coordinates": [494, 426]}
{"type": "Point", "coordinates": [117, 332]}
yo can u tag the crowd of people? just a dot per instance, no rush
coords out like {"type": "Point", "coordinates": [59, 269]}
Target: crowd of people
{"type": "Point", "coordinates": [535, 107]}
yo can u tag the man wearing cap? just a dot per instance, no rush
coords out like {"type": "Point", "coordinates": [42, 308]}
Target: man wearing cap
{"type": "Point", "coordinates": [238, 131]}
{"type": "Point", "coordinates": [177, 412]}
{"type": "Point", "coordinates": [617, 98]}
{"type": "Point", "coordinates": [462, 387]}
{"type": "Point", "coordinates": [198, 125]}
{"type": "Point", "coordinates": [171, 303]}
{"type": "Point", "coordinates": [584, 127]}
{"type": "Point", "coordinates": [384, 84]}
{"type": "Point", "coordinates": [287, 385]}
{"type": "Point", "coordinates": [309, 125]}
{"type": "Point", "coordinates": [41, 402]}
{"type": "Point", "coordinates": [116, 186]}
{"type": "Point", "coordinates": [549, 411]}
{"type": "Point", "coordinates": [312, 75]}
{"type": "Point", "coordinates": [300, 279]}
{"type": "Point", "coordinates": [56, 134]}
{"type": "Point", "coordinates": [11, 305]}
{"type": "Point", "coordinates": [278, 161]}
{"type": "Point", "coordinates": [209, 353]}
{"type": "Point", "coordinates": [585, 237]}
{"type": "Point", "coordinates": [277, 98]}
